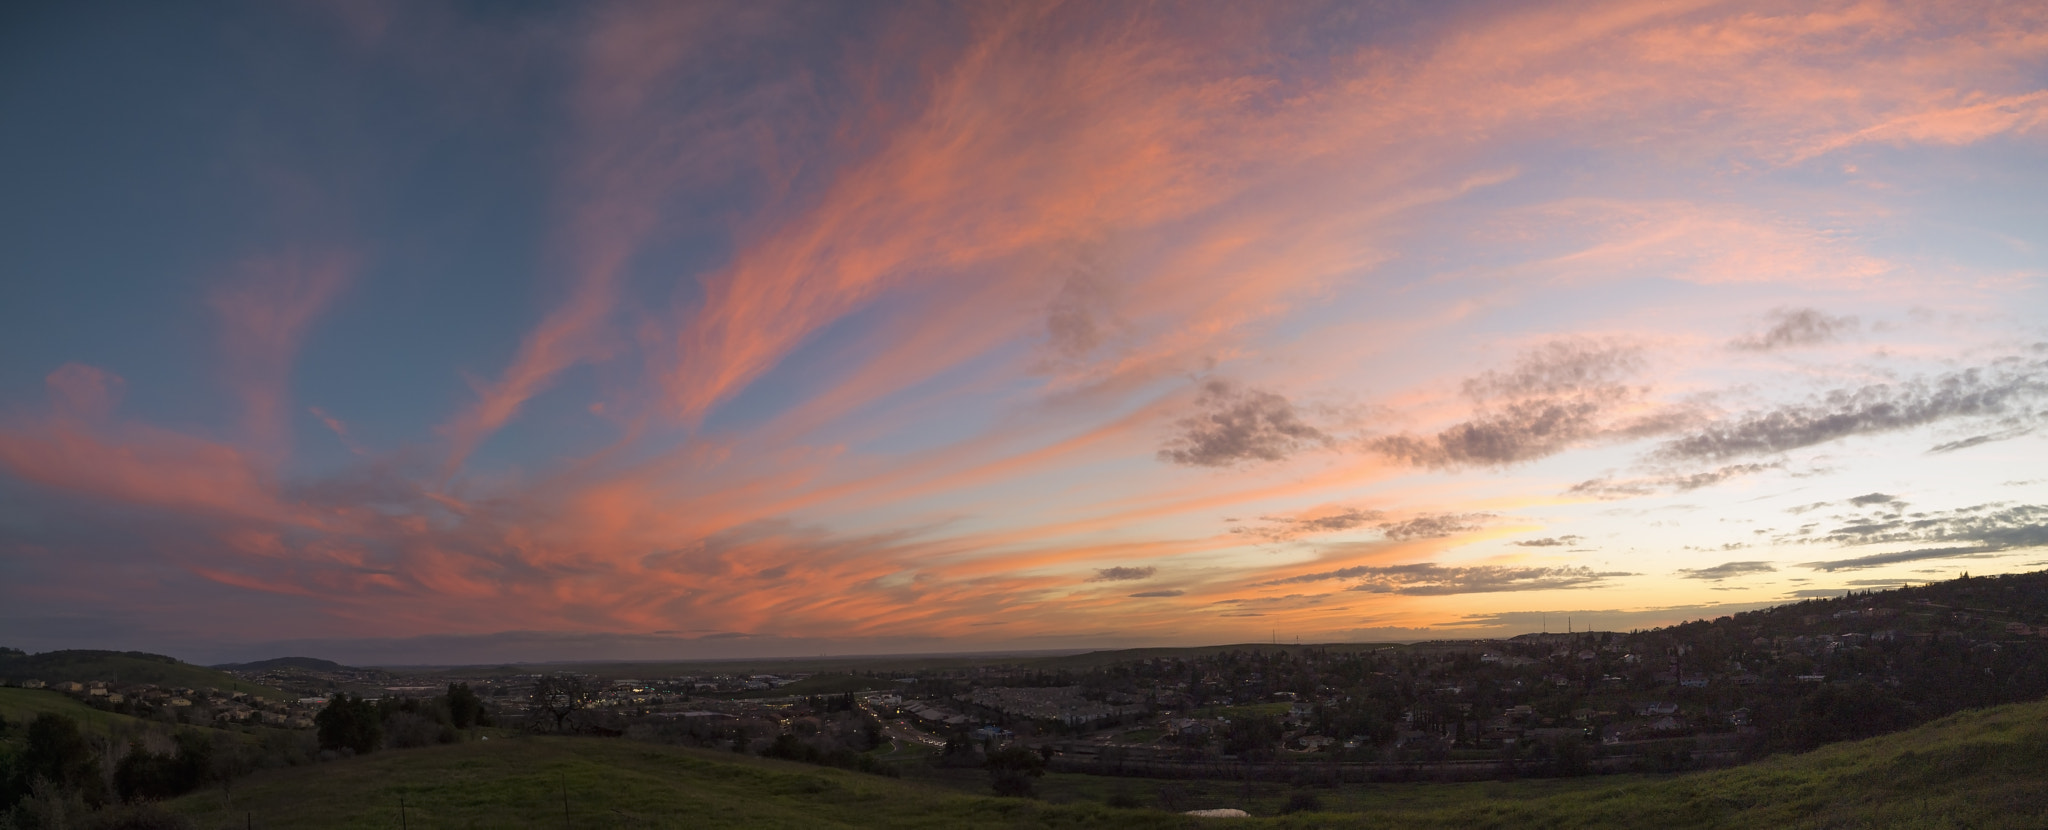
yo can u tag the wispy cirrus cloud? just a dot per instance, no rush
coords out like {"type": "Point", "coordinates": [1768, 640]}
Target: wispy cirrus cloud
{"type": "Point", "coordinates": [265, 311]}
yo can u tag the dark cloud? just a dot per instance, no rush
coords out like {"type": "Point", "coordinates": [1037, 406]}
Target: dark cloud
{"type": "Point", "coordinates": [1240, 424]}
{"type": "Point", "coordinates": [1796, 327]}
{"type": "Point", "coordinates": [1142, 594]}
{"type": "Point", "coordinates": [1608, 488]}
{"type": "Point", "coordinates": [1425, 579]}
{"type": "Point", "coordinates": [1082, 317]}
{"type": "Point", "coordinates": [1881, 559]}
{"type": "Point", "coordinates": [1971, 531]}
{"type": "Point", "coordinates": [1122, 574]}
{"type": "Point", "coordinates": [1434, 527]}
{"type": "Point", "coordinates": [2000, 524]}
{"type": "Point", "coordinates": [1560, 367]}
{"type": "Point", "coordinates": [1558, 542]}
{"type": "Point", "coordinates": [1728, 570]}
{"type": "Point", "coordinates": [1869, 499]}
{"type": "Point", "coordinates": [1521, 431]}
{"type": "Point", "coordinates": [1340, 521]}
{"type": "Point", "coordinates": [1884, 407]}
{"type": "Point", "coordinates": [1976, 440]}
{"type": "Point", "coordinates": [1282, 528]}
{"type": "Point", "coordinates": [1280, 603]}
{"type": "Point", "coordinates": [1555, 396]}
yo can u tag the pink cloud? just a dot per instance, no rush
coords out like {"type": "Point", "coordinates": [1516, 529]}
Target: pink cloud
{"type": "Point", "coordinates": [265, 314]}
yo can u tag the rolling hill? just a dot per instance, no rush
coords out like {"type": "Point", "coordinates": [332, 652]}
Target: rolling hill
{"type": "Point", "coordinates": [124, 667]}
{"type": "Point", "coordinates": [1975, 769]}
{"type": "Point", "coordinates": [287, 664]}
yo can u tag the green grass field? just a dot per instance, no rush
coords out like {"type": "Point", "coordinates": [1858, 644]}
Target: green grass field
{"type": "Point", "coordinates": [23, 705]}
{"type": "Point", "coordinates": [585, 782]}
{"type": "Point", "coordinates": [1978, 769]}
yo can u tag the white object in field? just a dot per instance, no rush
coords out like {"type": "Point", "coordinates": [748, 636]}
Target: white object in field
{"type": "Point", "coordinates": [1229, 812]}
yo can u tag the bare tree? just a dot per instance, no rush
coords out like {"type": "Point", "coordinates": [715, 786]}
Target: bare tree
{"type": "Point", "coordinates": [561, 696]}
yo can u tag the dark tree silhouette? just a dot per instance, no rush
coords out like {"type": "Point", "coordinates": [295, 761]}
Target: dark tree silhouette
{"type": "Point", "coordinates": [560, 697]}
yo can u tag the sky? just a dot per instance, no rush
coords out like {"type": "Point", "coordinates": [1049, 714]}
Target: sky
{"type": "Point", "coordinates": [469, 332]}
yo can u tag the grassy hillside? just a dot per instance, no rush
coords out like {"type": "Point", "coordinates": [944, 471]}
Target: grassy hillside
{"type": "Point", "coordinates": [1978, 769]}
{"type": "Point", "coordinates": [532, 782]}
{"type": "Point", "coordinates": [125, 667]}
{"type": "Point", "coordinates": [23, 705]}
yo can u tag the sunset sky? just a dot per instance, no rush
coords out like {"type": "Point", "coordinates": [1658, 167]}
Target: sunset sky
{"type": "Point", "coordinates": [465, 332]}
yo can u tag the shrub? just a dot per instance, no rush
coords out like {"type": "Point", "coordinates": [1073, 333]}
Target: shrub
{"type": "Point", "coordinates": [1302, 801]}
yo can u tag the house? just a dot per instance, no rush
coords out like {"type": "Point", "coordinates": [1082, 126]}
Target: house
{"type": "Point", "coordinates": [1314, 742]}
{"type": "Point", "coordinates": [1667, 723]}
{"type": "Point", "coordinates": [2019, 628]}
{"type": "Point", "coordinates": [180, 703]}
{"type": "Point", "coordinates": [71, 687]}
{"type": "Point", "coordinates": [37, 684]}
{"type": "Point", "coordinates": [1663, 707]}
